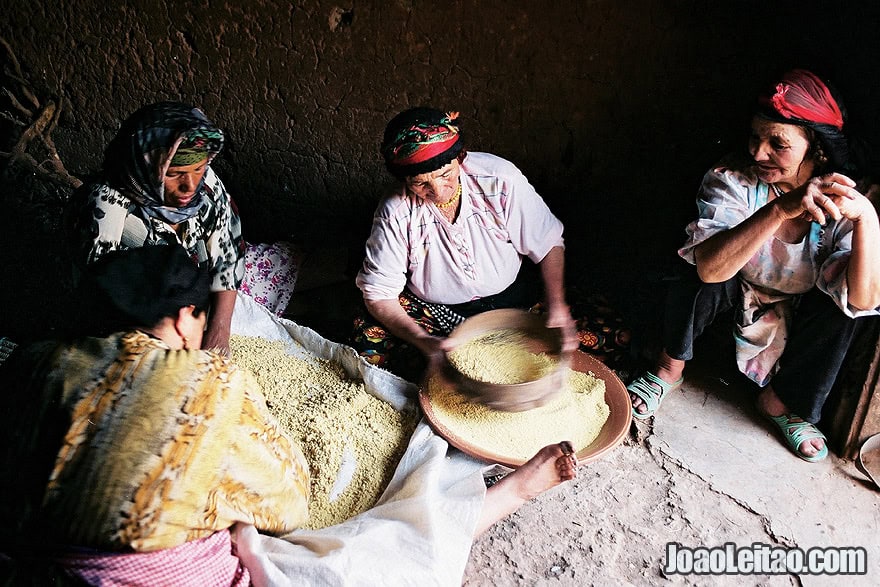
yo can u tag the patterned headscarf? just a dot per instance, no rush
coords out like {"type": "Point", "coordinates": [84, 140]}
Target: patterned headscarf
{"type": "Point", "coordinates": [420, 140]}
{"type": "Point", "coordinates": [194, 147]}
{"type": "Point", "coordinates": [136, 159]}
{"type": "Point", "coordinates": [801, 98]}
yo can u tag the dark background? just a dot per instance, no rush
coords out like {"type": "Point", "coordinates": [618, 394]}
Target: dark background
{"type": "Point", "coordinates": [614, 110]}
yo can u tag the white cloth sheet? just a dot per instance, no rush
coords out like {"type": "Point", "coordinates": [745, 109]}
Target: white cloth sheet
{"type": "Point", "coordinates": [420, 532]}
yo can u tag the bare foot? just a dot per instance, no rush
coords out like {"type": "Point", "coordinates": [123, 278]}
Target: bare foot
{"type": "Point", "coordinates": [769, 404]}
{"type": "Point", "coordinates": [551, 466]}
{"type": "Point", "coordinates": [669, 370]}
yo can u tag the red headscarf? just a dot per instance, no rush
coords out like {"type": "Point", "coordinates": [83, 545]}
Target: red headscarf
{"type": "Point", "coordinates": [801, 96]}
{"type": "Point", "coordinates": [421, 140]}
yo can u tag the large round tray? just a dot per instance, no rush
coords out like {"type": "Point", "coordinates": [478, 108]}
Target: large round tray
{"type": "Point", "coordinates": [611, 435]}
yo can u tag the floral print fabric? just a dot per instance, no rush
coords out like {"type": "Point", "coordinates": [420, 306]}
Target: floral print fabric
{"type": "Point", "coordinates": [779, 272]}
{"type": "Point", "coordinates": [270, 273]}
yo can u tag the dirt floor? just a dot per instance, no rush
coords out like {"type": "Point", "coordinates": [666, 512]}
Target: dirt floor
{"type": "Point", "coordinates": [707, 472]}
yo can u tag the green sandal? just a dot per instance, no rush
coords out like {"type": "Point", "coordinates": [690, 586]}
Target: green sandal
{"type": "Point", "coordinates": [651, 389]}
{"type": "Point", "coordinates": [795, 431]}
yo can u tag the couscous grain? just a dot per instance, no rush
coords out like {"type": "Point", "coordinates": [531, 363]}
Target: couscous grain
{"type": "Point", "coordinates": [334, 419]}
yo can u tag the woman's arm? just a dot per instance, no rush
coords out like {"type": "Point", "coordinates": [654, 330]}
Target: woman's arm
{"type": "Point", "coordinates": [863, 267]}
{"type": "Point", "coordinates": [219, 321]}
{"type": "Point", "coordinates": [394, 318]}
{"type": "Point", "coordinates": [226, 251]}
{"type": "Point", "coordinates": [558, 313]}
{"type": "Point", "coordinates": [722, 255]}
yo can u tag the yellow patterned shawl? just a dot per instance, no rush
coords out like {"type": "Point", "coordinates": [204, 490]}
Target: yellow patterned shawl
{"type": "Point", "coordinates": [164, 447]}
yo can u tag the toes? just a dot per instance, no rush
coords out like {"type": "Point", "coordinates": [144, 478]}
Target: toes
{"type": "Point", "coordinates": [566, 465]}
{"type": "Point", "coordinates": [807, 449]}
{"type": "Point", "coordinates": [547, 469]}
{"type": "Point", "coordinates": [812, 447]}
{"type": "Point", "coordinates": [566, 468]}
{"type": "Point", "coordinates": [568, 475]}
{"type": "Point", "coordinates": [637, 404]}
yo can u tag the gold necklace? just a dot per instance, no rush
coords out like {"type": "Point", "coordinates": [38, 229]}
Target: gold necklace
{"type": "Point", "coordinates": [451, 201]}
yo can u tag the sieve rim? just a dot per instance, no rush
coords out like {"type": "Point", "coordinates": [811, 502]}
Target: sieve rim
{"type": "Point", "coordinates": [611, 435]}
{"type": "Point", "coordinates": [511, 397]}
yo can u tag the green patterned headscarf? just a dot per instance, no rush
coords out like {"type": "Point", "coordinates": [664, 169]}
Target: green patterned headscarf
{"type": "Point", "coordinates": [194, 147]}
{"type": "Point", "coordinates": [138, 157]}
{"type": "Point", "coordinates": [421, 140]}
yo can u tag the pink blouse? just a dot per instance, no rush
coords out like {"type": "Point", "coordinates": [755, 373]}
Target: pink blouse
{"type": "Point", "coordinates": [501, 220]}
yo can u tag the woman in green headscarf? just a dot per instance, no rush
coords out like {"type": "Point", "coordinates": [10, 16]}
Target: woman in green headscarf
{"type": "Point", "coordinates": [157, 187]}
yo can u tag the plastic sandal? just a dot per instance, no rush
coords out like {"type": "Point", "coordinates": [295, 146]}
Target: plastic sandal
{"type": "Point", "coordinates": [651, 389]}
{"type": "Point", "coordinates": [795, 431]}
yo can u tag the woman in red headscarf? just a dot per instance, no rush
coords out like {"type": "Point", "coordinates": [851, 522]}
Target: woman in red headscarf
{"type": "Point", "coordinates": [450, 243]}
{"type": "Point", "coordinates": [786, 238]}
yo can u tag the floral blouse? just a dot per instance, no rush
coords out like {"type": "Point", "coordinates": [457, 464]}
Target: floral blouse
{"type": "Point", "coordinates": [108, 220]}
{"type": "Point", "coordinates": [777, 272]}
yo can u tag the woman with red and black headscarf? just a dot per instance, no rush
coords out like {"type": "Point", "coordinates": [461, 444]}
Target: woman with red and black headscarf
{"type": "Point", "coordinates": [786, 239]}
{"type": "Point", "coordinates": [450, 242]}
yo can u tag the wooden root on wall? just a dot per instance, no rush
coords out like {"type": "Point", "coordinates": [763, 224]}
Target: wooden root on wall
{"type": "Point", "coordinates": [37, 120]}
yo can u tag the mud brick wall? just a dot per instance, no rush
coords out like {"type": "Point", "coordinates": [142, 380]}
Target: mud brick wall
{"type": "Point", "coordinates": [614, 109]}
{"type": "Point", "coordinates": [608, 106]}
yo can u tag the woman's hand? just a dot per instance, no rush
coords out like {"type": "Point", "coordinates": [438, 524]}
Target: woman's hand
{"type": "Point", "coordinates": [434, 348]}
{"type": "Point", "coordinates": [394, 318]}
{"type": "Point", "coordinates": [559, 316]}
{"type": "Point", "coordinates": [219, 326]}
{"type": "Point", "coordinates": [558, 313]}
{"type": "Point", "coordinates": [851, 203]}
{"type": "Point", "coordinates": [217, 340]}
{"type": "Point", "coordinates": [833, 195]}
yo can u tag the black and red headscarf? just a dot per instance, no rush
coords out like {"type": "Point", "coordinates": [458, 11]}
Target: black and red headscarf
{"type": "Point", "coordinates": [801, 98]}
{"type": "Point", "coordinates": [420, 140]}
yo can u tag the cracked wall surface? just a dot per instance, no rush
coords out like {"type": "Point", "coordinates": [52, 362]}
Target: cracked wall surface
{"type": "Point", "coordinates": [596, 101]}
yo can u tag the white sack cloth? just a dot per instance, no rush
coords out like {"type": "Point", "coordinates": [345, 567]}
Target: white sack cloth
{"type": "Point", "coordinates": [419, 533]}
